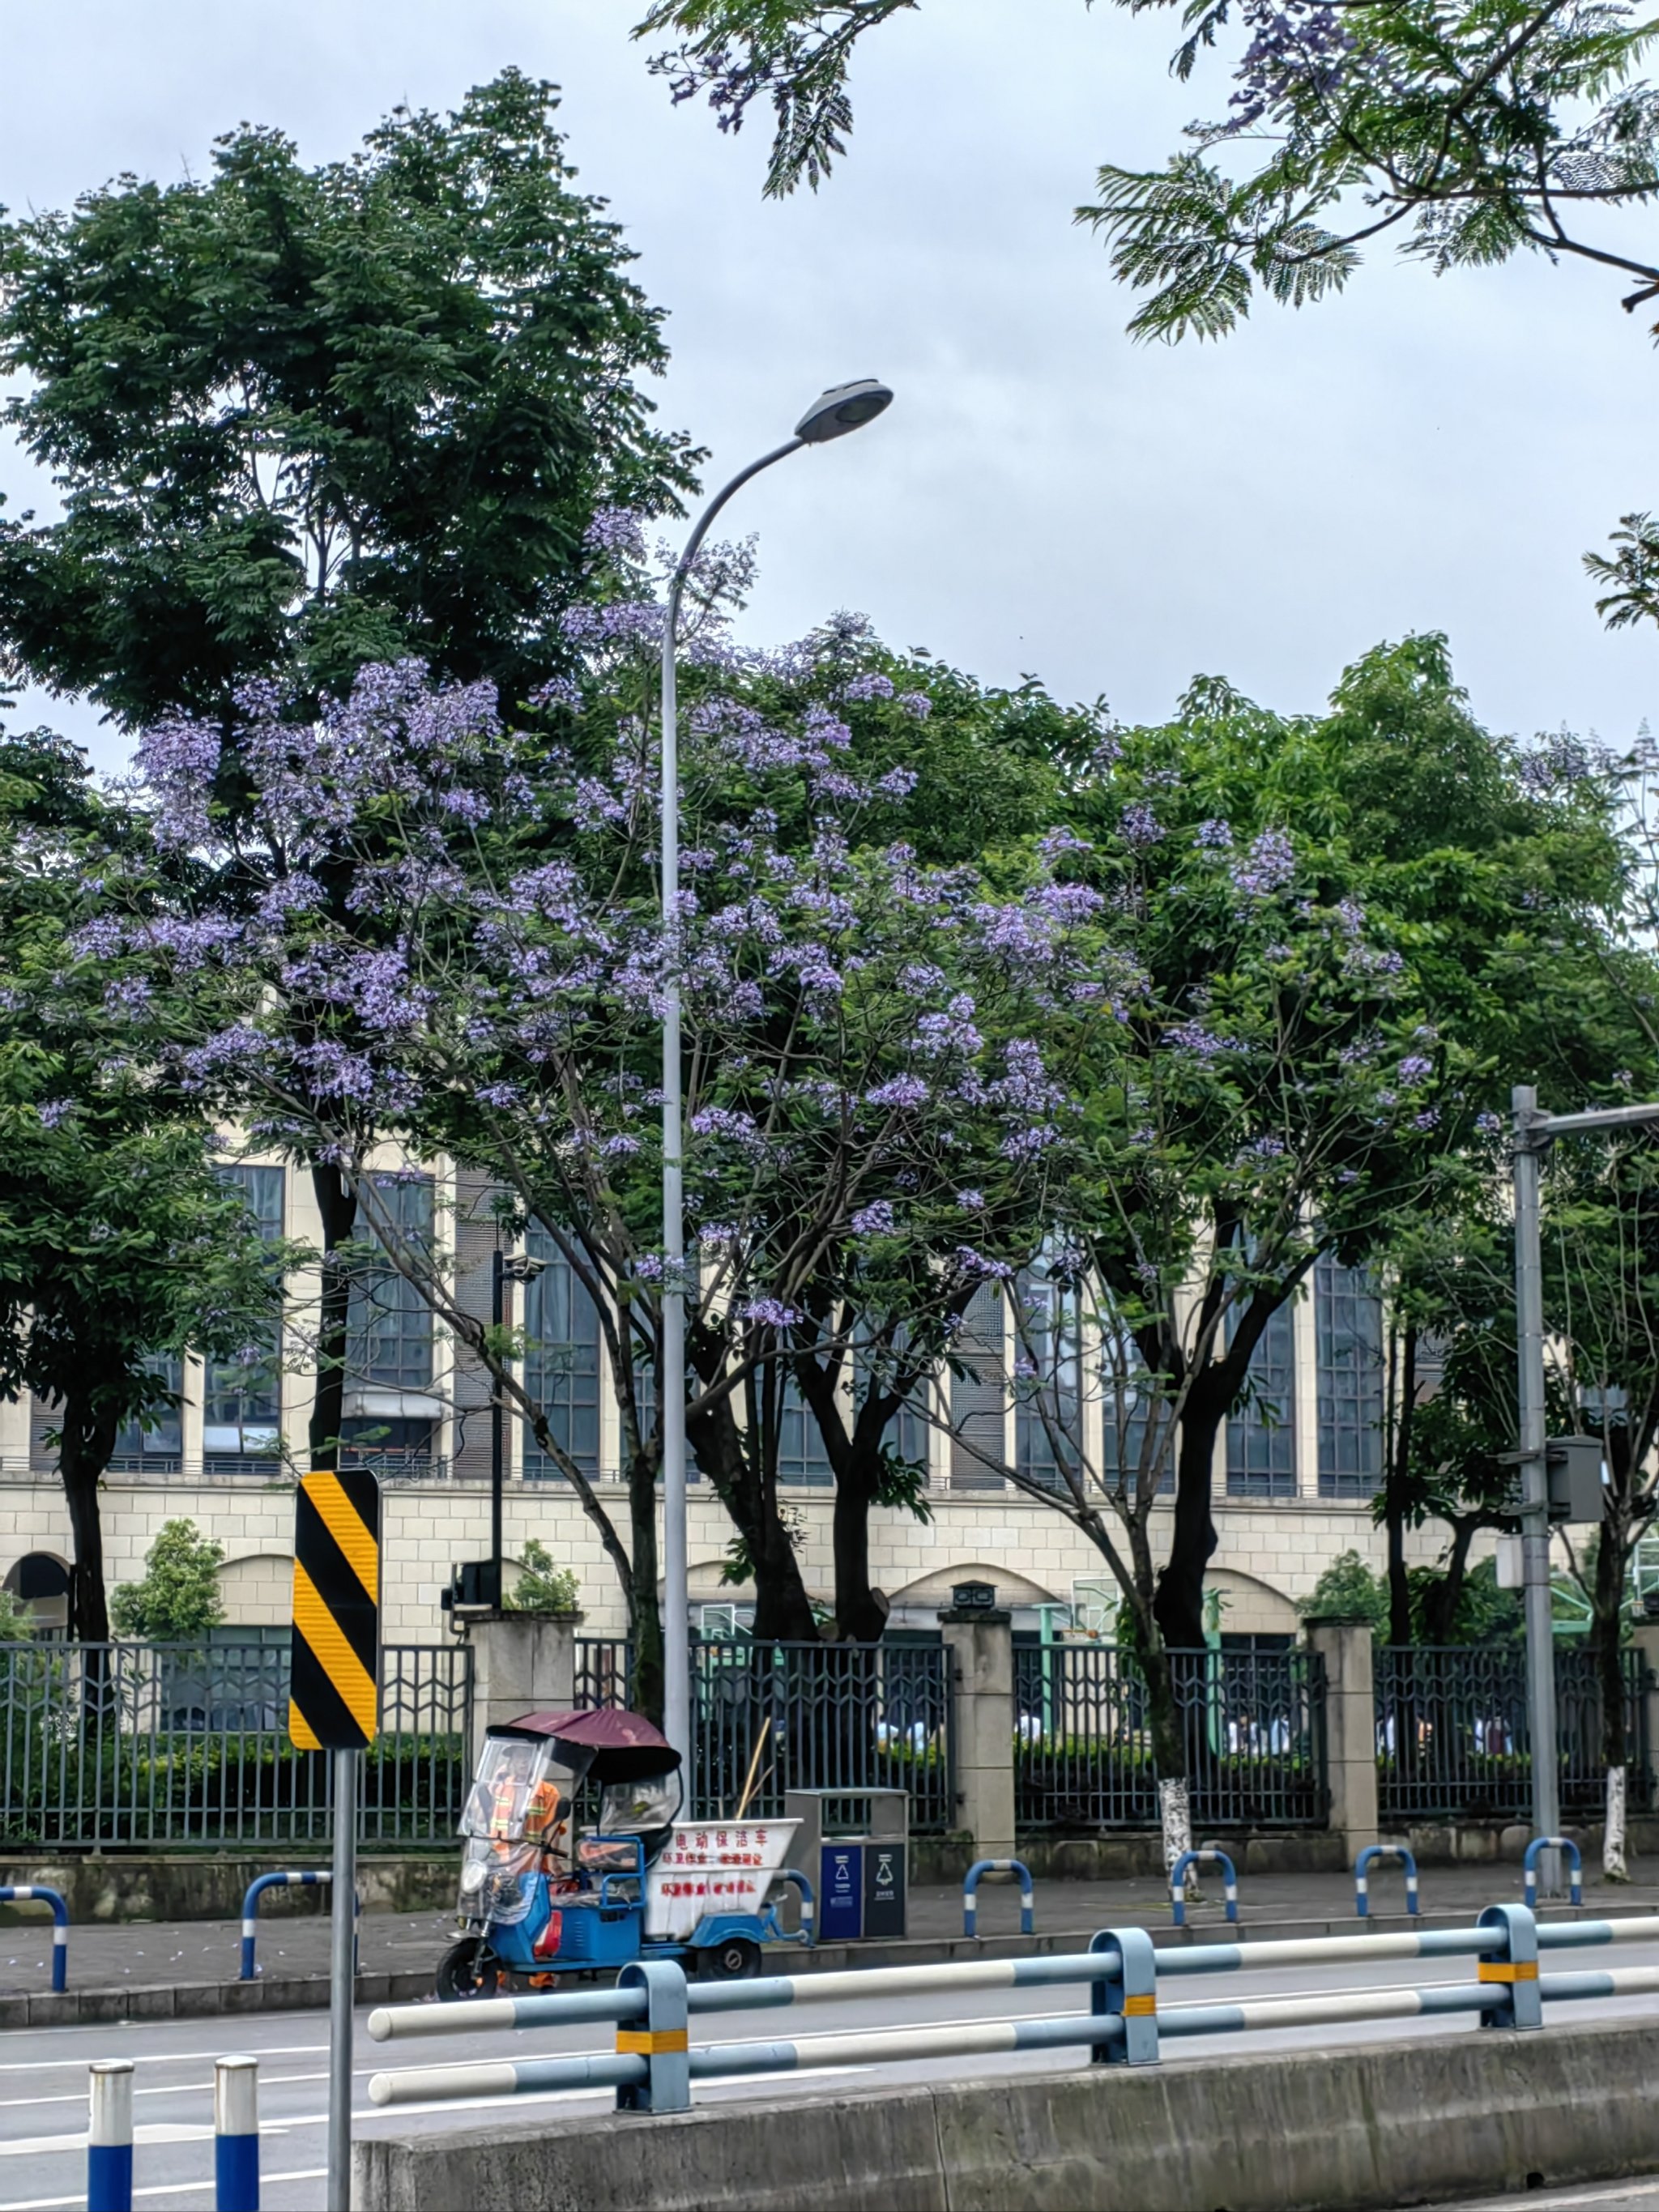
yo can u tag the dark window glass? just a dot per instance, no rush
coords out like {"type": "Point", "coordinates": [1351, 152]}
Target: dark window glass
{"type": "Point", "coordinates": [158, 1442]}
{"type": "Point", "coordinates": [562, 1359]}
{"type": "Point", "coordinates": [1349, 1326]}
{"type": "Point", "coordinates": [802, 1459]}
{"type": "Point", "coordinates": [1048, 1368]}
{"type": "Point", "coordinates": [389, 1330]}
{"type": "Point", "coordinates": [1261, 1432]}
{"type": "Point", "coordinates": [979, 1395]}
{"type": "Point", "coordinates": [242, 1416]}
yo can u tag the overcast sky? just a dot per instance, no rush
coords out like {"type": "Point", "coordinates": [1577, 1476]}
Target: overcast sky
{"type": "Point", "coordinates": [1045, 496]}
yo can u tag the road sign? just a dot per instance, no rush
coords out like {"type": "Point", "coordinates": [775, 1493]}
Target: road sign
{"type": "Point", "coordinates": [334, 1672]}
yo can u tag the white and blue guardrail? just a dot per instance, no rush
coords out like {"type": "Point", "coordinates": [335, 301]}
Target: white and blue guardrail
{"type": "Point", "coordinates": [654, 2061]}
{"type": "Point", "coordinates": [1367, 1859]}
{"type": "Point", "coordinates": [24, 1892]}
{"type": "Point", "coordinates": [1209, 1854]}
{"type": "Point", "coordinates": [309, 1878]}
{"type": "Point", "coordinates": [235, 2137]}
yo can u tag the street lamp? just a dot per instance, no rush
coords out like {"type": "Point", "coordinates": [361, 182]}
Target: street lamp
{"type": "Point", "coordinates": [844, 407]}
{"type": "Point", "coordinates": [1533, 1132]}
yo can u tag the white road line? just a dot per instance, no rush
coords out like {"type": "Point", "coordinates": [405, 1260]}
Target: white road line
{"type": "Point", "coordinates": [152, 2058]}
{"type": "Point", "coordinates": [171, 2189]}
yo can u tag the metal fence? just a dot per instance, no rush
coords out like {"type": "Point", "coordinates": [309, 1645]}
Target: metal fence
{"type": "Point", "coordinates": [106, 1745]}
{"type": "Point", "coordinates": [830, 1716]}
{"type": "Point", "coordinates": [1453, 1739]}
{"type": "Point", "coordinates": [1254, 1723]}
{"type": "Point", "coordinates": [604, 1672]}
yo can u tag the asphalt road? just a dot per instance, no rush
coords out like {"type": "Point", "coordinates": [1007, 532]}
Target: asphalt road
{"type": "Point", "coordinates": [43, 2077]}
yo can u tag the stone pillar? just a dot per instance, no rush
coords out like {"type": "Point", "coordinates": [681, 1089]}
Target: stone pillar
{"type": "Point", "coordinates": [1646, 1640]}
{"type": "Point", "coordinates": [522, 1662]}
{"type": "Point", "coordinates": [1349, 1728]}
{"type": "Point", "coordinates": [981, 1648]}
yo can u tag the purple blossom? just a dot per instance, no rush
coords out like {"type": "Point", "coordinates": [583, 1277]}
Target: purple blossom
{"type": "Point", "coordinates": [872, 685]}
{"type": "Point", "coordinates": [1216, 836]}
{"type": "Point", "coordinates": [54, 1112]}
{"type": "Point", "coordinates": [1414, 1066]}
{"type": "Point", "coordinates": [1138, 825]}
{"type": "Point", "coordinates": [916, 704]}
{"type": "Point", "coordinates": [898, 783]}
{"type": "Point", "coordinates": [875, 1220]}
{"type": "Point", "coordinates": [973, 1262]}
{"type": "Point", "coordinates": [769, 1313]}
{"type": "Point", "coordinates": [1490, 1125]}
{"type": "Point", "coordinates": [902, 1092]}
{"type": "Point", "coordinates": [971, 1202]}
{"type": "Point", "coordinates": [1268, 867]}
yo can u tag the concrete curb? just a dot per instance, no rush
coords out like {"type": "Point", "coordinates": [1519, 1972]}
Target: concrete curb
{"type": "Point", "coordinates": [309, 1992]}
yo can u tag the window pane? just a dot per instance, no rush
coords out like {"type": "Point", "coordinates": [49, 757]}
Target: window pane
{"type": "Point", "coordinates": [389, 1330]}
{"type": "Point", "coordinates": [1048, 1406]}
{"type": "Point", "coordinates": [1261, 1432]}
{"type": "Point", "coordinates": [562, 1359]}
{"type": "Point", "coordinates": [1349, 1326]}
{"type": "Point", "coordinates": [979, 1395]}
{"type": "Point", "coordinates": [242, 1413]}
{"type": "Point", "coordinates": [159, 1444]}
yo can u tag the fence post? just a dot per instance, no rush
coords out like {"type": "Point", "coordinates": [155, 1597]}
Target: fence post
{"type": "Point", "coordinates": [522, 1662]}
{"type": "Point", "coordinates": [662, 2041]}
{"type": "Point", "coordinates": [1645, 1640]}
{"type": "Point", "coordinates": [1514, 1968]}
{"type": "Point", "coordinates": [1130, 1994]}
{"type": "Point", "coordinates": [1349, 1728]}
{"type": "Point", "coordinates": [981, 1649]}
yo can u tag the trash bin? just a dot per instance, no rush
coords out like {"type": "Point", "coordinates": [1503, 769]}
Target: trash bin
{"type": "Point", "coordinates": [860, 1879]}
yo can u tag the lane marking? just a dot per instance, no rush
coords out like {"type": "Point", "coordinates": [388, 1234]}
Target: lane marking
{"type": "Point", "coordinates": [156, 2058]}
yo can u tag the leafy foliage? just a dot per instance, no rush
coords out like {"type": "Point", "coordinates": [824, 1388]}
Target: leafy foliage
{"type": "Point", "coordinates": [543, 1588]}
{"type": "Point", "coordinates": [178, 1596]}
{"type": "Point", "coordinates": [302, 418]}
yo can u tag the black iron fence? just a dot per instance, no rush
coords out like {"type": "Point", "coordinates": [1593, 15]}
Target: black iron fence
{"type": "Point", "coordinates": [823, 1716]}
{"type": "Point", "coordinates": [604, 1672]}
{"type": "Point", "coordinates": [1253, 1724]}
{"type": "Point", "coordinates": [1453, 1740]}
{"type": "Point", "coordinates": [142, 1745]}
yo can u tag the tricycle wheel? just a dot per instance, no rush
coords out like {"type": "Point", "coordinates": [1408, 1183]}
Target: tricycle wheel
{"type": "Point", "coordinates": [736, 1960]}
{"type": "Point", "coordinates": [470, 1969]}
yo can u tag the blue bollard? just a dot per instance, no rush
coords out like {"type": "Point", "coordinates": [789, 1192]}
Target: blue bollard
{"type": "Point", "coordinates": [662, 2042]}
{"type": "Point", "coordinates": [236, 2135]}
{"type": "Point", "coordinates": [109, 2136]}
{"type": "Point", "coordinates": [970, 1898]}
{"type": "Point", "coordinates": [312, 1878]}
{"type": "Point", "coordinates": [1576, 1893]}
{"type": "Point", "coordinates": [1362, 1903]}
{"type": "Point", "coordinates": [1209, 1856]}
{"type": "Point", "coordinates": [22, 1893]}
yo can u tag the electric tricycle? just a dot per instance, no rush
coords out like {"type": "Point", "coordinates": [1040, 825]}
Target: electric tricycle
{"type": "Point", "coordinates": [541, 1898]}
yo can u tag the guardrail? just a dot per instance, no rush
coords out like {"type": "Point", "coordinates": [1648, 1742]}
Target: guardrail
{"type": "Point", "coordinates": [653, 2062]}
{"type": "Point", "coordinates": [970, 1882]}
{"type": "Point", "coordinates": [308, 1878]}
{"type": "Point", "coordinates": [1362, 1882]}
{"type": "Point", "coordinates": [21, 1893]}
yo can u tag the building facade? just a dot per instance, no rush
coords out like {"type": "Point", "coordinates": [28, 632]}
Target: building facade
{"type": "Point", "coordinates": [1295, 1469]}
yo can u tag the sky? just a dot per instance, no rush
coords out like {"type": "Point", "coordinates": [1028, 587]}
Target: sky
{"type": "Point", "coordinates": [1045, 496]}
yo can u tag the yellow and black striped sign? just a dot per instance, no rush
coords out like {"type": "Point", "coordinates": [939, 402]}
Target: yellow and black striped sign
{"type": "Point", "coordinates": [335, 1671]}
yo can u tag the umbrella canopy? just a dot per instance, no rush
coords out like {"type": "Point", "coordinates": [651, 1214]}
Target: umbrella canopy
{"type": "Point", "coordinates": [623, 1746]}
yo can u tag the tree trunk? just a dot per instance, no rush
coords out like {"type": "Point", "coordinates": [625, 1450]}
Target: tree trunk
{"type": "Point", "coordinates": [337, 1205]}
{"type": "Point", "coordinates": [1607, 1621]}
{"type": "Point", "coordinates": [1170, 1760]}
{"type": "Point", "coordinates": [861, 1612]}
{"type": "Point", "coordinates": [783, 1611]}
{"type": "Point", "coordinates": [1394, 1503]}
{"type": "Point", "coordinates": [1179, 1604]}
{"type": "Point", "coordinates": [83, 1453]}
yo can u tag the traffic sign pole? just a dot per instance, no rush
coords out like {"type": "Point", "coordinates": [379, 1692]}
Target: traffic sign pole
{"type": "Point", "coordinates": [341, 1991]}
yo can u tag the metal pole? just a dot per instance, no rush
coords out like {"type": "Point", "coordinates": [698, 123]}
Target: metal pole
{"type": "Point", "coordinates": [495, 1436]}
{"type": "Point", "coordinates": [342, 1960]}
{"type": "Point", "coordinates": [676, 1617]}
{"type": "Point", "coordinates": [1534, 1489]}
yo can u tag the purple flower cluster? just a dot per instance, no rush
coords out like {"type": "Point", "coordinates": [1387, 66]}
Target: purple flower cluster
{"type": "Point", "coordinates": [1139, 825]}
{"type": "Point", "coordinates": [1268, 867]}
{"type": "Point", "coordinates": [876, 1219]}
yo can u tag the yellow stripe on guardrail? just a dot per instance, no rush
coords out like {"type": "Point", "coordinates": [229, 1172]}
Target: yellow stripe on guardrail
{"type": "Point", "coordinates": [1500, 1969]}
{"type": "Point", "coordinates": [651, 2043]}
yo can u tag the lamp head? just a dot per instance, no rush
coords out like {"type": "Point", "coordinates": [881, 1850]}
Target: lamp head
{"type": "Point", "coordinates": [845, 407]}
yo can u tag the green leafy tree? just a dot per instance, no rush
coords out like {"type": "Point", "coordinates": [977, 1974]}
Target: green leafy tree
{"type": "Point", "coordinates": [119, 1246]}
{"type": "Point", "coordinates": [178, 1596]}
{"type": "Point", "coordinates": [1348, 1589]}
{"type": "Point", "coordinates": [304, 418]}
{"type": "Point", "coordinates": [542, 1587]}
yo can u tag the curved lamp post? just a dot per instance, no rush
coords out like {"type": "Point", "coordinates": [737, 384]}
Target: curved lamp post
{"type": "Point", "coordinates": [847, 407]}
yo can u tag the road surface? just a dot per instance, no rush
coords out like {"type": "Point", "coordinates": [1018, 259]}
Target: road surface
{"type": "Point", "coordinates": [43, 2080]}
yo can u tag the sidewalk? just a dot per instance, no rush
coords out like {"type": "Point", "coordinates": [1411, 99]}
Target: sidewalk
{"type": "Point", "coordinates": [293, 1940]}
